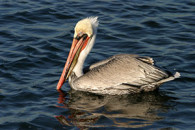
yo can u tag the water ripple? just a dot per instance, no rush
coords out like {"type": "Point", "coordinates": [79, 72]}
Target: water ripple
{"type": "Point", "coordinates": [35, 38]}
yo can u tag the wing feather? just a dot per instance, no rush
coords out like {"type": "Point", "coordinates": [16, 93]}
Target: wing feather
{"type": "Point", "coordinates": [120, 70]}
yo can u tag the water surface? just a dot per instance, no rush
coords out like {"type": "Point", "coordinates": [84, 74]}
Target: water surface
{"type": "Point", "coordinates": [35, 37]}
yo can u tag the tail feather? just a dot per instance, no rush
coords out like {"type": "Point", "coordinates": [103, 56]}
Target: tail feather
{"type": "Point", "coordinates": [153, 86]}
{"type": "Point", "coordinates": [177, 75]}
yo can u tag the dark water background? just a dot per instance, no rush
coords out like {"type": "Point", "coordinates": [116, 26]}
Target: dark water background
{"type": "Point", "coordinates": [35, 37]}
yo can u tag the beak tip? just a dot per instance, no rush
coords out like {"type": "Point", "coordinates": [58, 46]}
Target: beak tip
{"type": "Point", "coordinates": [60, 82]}
{"type": "Point", "coordinates": [59, 86]}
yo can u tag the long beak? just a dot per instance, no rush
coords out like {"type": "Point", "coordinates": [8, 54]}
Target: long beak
{"type": "Point", "coordinates": [77, 46]}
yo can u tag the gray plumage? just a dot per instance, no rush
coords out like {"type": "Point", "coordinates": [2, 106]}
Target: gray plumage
{"type": "Point", "coordinates": [121, 74]}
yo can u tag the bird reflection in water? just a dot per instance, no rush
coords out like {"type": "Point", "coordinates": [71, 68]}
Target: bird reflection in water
{"type": "Point", "coordinates": [88, 110]}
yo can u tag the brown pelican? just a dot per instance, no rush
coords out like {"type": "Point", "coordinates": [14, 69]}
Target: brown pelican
{"type": "Point", "coordinates": [119, 74]}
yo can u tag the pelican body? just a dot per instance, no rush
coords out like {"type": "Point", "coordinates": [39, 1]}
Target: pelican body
{"type": "Point", "coordinates": [119, 74]}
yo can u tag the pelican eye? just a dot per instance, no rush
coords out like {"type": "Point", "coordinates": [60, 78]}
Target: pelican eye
{"type": "Point", "coordinates": [84, 36]}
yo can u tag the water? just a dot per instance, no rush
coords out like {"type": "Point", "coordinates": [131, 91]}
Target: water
{"type": "Point", "coordinates": [35, 37]}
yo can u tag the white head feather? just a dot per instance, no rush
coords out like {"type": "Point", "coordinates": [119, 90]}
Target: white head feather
{"type": "Point", "coordinates": [87, 26]}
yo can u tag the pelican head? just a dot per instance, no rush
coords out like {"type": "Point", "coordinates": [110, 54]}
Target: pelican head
{"type": "Point", "coordinates": [84, 38]}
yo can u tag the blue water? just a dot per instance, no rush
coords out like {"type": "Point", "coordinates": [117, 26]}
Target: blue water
{"type": "Point", "coordinates": [35, 37]}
